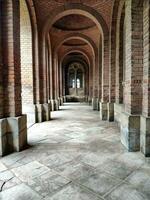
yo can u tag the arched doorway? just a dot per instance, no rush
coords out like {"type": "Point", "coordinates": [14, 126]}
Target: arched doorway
{"type": "Point", "coordinates": [75, 80]}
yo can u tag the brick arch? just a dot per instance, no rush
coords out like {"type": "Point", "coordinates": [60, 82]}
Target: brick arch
{"type": "Point", "coordinates": [75, 8]}
{"type": "Point", "coordinates": [89, 62]}
{"type": "Point", "coordinates": [79, 36]}
{"type": "Point", "coordinates": [90, 42]}
{"type": "Point", "coordinates": [86, 69]}
{"type": "Point", "coordinates": [76, 50]}
{"type": "Point", "coordinates": [97, 18]}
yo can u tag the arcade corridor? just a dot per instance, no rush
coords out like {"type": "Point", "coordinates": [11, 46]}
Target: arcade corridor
{"type": "Point", "coordinates": [75, 99]}
{"type": "Point", "coordinates": [72, 157]}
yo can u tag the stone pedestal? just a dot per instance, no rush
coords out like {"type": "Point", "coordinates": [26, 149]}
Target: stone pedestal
{"type": "Point", "coordinates": [95, 103]}
{"type": "Point", "coordinates": [39, 111]}
{"type": "Point", "coordinates": [103, 111]}
{"type": "Point", "coordinates": [64, 99]}
{"type": "Point", "coordinates": [5, 148]}
{"type": "Point", "coordinates": [43, 112]}
{"type": "Point", "coordinates": [13, 134]}
{"type": "Point", "coordinates": [17, 126]}
{"type": "Point", "coordinates": [52, 105]}
{"type": "Point", "coordinates": [46, 112]}
{"type": "Point", "coordinates": [56, 105]}
{"type": "Point", "coordinates": [145, 135]}
{"type": "Point", "coordinates": [130, 131]}
{"type": "Point", "coordinates": [110, 108]}
{"type": "Point", "coordinates": [89, 101]}
{"type": "Point", "coordinates": [61, 101]}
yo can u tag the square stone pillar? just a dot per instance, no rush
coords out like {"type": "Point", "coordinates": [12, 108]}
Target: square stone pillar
{"type": "Point", "coordinates": [4, 146]}
{"type": "Point", "coordinates": [95, 103]}
{"type": "Point", "coordinates": [61, 101]}
{"type": "Point", "coordinates": [145, 136]}
{"type": "Point", "coordinates": [145, 118]}
{"type": "Point", "coordinates": [17, 129]}
{"type": "Point", "coordinates": [39, 112]}
{"type": "Point", "coordinates": [43, 112]}
{"type": "Point", "coordinates": [56, 104]}
{"type": "Point", "coordinates": [46, 112]}
{"type": "Point", "coordinates": [64, 99]}
{"type": "Point", "coordinates": [103, 111]}
{"type": "Point", "coordinates": [130, 131]}
{"type": "Point", "coordinates": [110, 108]}
{"type": "Point", "coordinates": [52, 108]}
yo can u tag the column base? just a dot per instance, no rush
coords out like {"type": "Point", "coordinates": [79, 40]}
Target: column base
{"type": "Point", "coordinates": [130, 132]}
{"type": "Point", "coordinates": [64, 99]}
{"type": "Point", "coordinates": [103, 111]}
{"type": "Point", "coordinates": [43, 112]}
{"type": "Point", "coordinates": [95, 103]}
{"type": "Point", "coordinates": [56, 105]}
{"type": "Point", "coordinates": [60, 101]}
{"type": "Point", "coordinates": [52, 107]}
{"type": "Point", "coordinates": [145, 135]}
{"type": "Point", "coordinates": [46, 112]}
{"type": "Point", "coordinates": [13, 134]}
{"type": "Point", "coordinates": [110, 108]}
{"type": "Point", "coordinates": [89, 101]}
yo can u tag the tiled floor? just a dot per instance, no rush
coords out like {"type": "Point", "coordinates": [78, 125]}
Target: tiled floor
{"type": "Point", "coordinates": [75, 156]}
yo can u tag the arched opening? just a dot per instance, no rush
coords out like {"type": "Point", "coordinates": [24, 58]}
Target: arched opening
{"type": "Point", "coordinates": [54, 24]}
{"type": "Point", "coordinates": [75, 77]}
{"type": "Point", "coordinates": [75, 81]}
{"type": "Point", "coordinates": [26, 64]}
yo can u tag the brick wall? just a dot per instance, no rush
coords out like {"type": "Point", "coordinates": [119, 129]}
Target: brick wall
{"type": "Point", "coordinates": [26, 55]}
{"type": "Point", "coordinates": [133, 57]}
{"type": "Point", "coordinates": [146, 67]}
{"type": "Point", "coordinates": [11, 57]}
{"type": "Point", "coordinates": [1, 82]}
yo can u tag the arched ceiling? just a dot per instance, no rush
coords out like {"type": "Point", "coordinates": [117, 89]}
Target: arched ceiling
{"type": "Point", "coordinates": [74, 42]}
{"type": "Point", "coordinates": [45, 7]}
{"type": "Point", "coordinates": [74, 22]}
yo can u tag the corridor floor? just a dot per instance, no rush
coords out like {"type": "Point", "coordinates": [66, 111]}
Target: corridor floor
{"type": "Point", "coordinates": [75, 156]}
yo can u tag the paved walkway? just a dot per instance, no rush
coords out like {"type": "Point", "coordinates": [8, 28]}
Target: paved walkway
{"type": "Point", "coordinates": [75, 156]}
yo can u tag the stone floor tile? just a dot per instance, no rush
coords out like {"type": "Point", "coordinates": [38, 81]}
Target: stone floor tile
{"type": "Point", "coordinates": [7, 180]}
{"type": "Point", "coordinates": [131, 159]}
{"type": "Point", "coordinates": [75, 146]}
{"type": "Point", "coordinates": [30, 171]}
{"type": "Point", "coordinates": [126, 192]}
{"type": "Point", "coordinates": [73, 192]}
{"type": "Point", "coordinates": [96, 159]}
{"type": "Point", "coordinates": [119, 170]}
{"type": "Point", "coordinates": [100, 183]}
{"type": "Point", "coordinates": [57, 159]}
{"type": "Point", "coordinates": [19, 192]}
{"type": "Point", "coordinates": [141, 180]}
{"type": "Point", "coordinates": [48, 183]}
{"type": "Point", "coordinates": [74, 170]}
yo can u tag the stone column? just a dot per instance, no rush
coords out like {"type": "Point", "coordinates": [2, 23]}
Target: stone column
{"type": "Point", "coordinates": [130, 122]}
{"type": "Point", "coordinates": [95, 99]}
{"type": "Point", "coordinates": [13, 125]}
{"type": "Point", "coordinates": [145, 117]}
{"type": "Point", "coordinates": [105, 79]}
{"type": "Point", "coordinates": [42, 106]}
